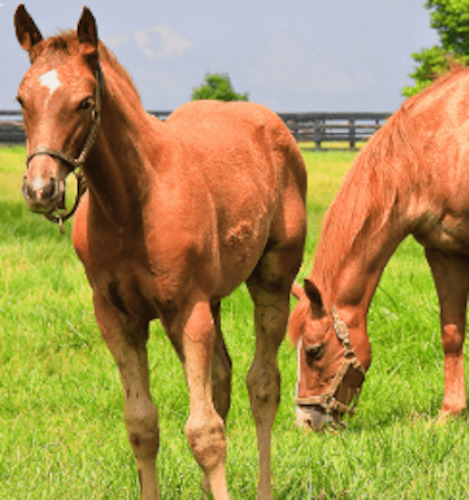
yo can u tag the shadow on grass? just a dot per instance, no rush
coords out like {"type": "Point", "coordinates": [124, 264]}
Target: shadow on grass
{"type": "Point", "coordinates": [17, 222]}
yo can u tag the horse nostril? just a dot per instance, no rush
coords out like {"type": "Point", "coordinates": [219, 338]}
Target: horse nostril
{"type": "Point", "coordinates": [28, 192]}
{"type": "Point", "coordinates": [50, 190]}
{"type": "Point", "coordinates": [41, 192]}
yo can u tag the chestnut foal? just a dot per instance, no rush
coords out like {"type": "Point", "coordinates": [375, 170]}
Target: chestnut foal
{"type": "Point", "coordinates": [177, 215]}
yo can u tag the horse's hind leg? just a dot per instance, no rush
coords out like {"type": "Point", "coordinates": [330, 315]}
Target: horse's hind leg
{"type": "Point", "coordinates": [451, 275]}
{"type": "Point", "coordinates": [127, 343]}
{"type": "Point", "coordinates": [269, 287]}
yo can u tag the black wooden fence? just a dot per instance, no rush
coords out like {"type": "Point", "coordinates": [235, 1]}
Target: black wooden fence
{"type": "Point", "coordinates": [11, 127]}
{"type": "Point", "coordinates": [345, 129]}
{"type": "Point", "coordinates": [321, 128]}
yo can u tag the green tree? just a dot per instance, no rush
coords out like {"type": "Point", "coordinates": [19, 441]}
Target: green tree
{"type": "Point", "coordinates": [217, 86]}
{"type": "Point", "coordinates": [451, 20]}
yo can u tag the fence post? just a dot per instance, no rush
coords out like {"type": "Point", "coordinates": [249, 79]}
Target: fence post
{"type": "Point", "coordinates": [353, 138]}
{"type": "Point", "coordinates": [318, 132]}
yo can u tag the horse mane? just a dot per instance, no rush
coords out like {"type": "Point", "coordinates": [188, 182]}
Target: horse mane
{"type": "Point", "coordinates": [383, 174]}
{"type": "Point", "coordinates": [436, 89]}
{"type": "Point", "coordinates": [365, 201]}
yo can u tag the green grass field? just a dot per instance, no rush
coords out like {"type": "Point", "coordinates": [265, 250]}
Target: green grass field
{"type": "Point", "coordinates": [62, 433]}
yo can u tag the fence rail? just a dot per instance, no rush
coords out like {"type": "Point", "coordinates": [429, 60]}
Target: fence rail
{"type": "Point", "coordinates": [320, 128]}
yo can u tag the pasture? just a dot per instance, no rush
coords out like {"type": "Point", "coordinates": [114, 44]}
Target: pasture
{"type": "Point", "coordinates": [62, 434]}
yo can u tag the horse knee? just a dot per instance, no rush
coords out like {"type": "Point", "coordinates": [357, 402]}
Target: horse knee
{"type": "Point", "coordinates": [263, 383]}
{"type": "Point", "coordinates": [142, 429]}
{"type": "Point", "coordinates": [206, 436]}
{"type": "Point", "coordinates": [452, 339]}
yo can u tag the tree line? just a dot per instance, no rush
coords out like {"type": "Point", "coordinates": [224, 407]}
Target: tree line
{"type": "Point", "coordinates": [450, 18]}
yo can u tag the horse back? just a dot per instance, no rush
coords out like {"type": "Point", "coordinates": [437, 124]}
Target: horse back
{"type": "Point", "coordinates": [239, 150]}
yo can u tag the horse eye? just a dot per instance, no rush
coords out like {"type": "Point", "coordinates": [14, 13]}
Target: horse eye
{"type": "Point", "coordinates": [86, 103]}
{"type": "Point", "coordinates": [315, 352]}
{"type": "Point", "coordinates": [20, 101]}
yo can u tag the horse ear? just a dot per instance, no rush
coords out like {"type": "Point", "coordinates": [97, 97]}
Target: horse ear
{"type": "Point", "coordinates": [87, 29]}
{"type": "Point", "coordinates": [297, 291]}
{"type": "Point", "coordinates": [27, 32]}
{"type": "Point", "coordinates": [314, 296]}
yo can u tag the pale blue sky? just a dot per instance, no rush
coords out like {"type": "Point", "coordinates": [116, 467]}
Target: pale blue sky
{"type": "Point", "coordinates": [300, 55]}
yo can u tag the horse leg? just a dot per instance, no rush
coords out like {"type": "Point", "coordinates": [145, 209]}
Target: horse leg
{"type": "Point", "coordinates": [269, 287]}
{"type": "Point", "coordinates": [221, 368]}
{"type": "Point", "coordinates": [193, 334]}
{"type": "Point", "coordinates": [221, 376]}
{"type": "Point", "coordinates": [127, 343]}
{"type": "Point", "coordinates": [451, 281]}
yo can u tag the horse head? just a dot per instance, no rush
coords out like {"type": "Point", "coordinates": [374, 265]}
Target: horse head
{"type": "Point", "coordinates": [329, 374]}
{"type": "Point", "coordinates": [60, 99]}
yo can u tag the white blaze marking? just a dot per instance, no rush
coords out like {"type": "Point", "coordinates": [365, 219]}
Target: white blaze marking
{"type": "Point", "coordinates": [50, 80]}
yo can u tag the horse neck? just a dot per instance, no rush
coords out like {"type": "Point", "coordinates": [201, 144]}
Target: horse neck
{"type": "Point", "coordinates": [117, 168]}
{"type": "Point", "coordinates": [362, 229]}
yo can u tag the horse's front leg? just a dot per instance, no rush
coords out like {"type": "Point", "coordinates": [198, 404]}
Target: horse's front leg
{"type": "Point", "coordinates": [126, 340]}
{"type": "Point", "coordinates": [192, 331]}
{"type": "Point", "coordinates": [452, 284]}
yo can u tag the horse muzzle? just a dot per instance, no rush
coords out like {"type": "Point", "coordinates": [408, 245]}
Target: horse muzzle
{"type": "Point", "coordinates": [340, 398]}
{"type": "Point", "coordinates": [317, 418]}
{"type": "Point", "coordinates": [44, 195]}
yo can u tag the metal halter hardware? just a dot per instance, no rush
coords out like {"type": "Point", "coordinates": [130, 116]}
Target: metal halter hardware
{"type": "Point", "coordinates": [328, 400]}
{"type": "Point", "coordinates": [75, 165]}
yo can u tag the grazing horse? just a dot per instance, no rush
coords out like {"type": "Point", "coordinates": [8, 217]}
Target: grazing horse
{"type": "Point", "coordinates": [412, 178]}
{"type": "Point", "coordinates": [177, 214]}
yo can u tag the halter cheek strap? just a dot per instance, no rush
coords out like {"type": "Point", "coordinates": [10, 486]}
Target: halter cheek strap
{"type": "Point", "coordinates": [350, 363]}
{"type": "Point", "coordinates": [75, 165]}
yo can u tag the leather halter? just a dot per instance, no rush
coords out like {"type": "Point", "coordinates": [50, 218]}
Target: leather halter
{"type": "Point", "coordinates": [75, 165]}
{"type": "Point", "coordinates": [328, 400]}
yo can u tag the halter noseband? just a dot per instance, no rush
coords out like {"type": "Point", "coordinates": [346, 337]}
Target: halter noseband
{"type": "Point", "coordinates": [75, 165]}
{"type": "Point", "coordinates": [328, 400]}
